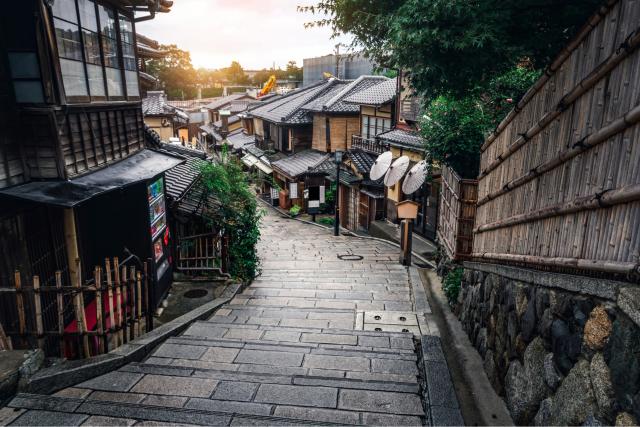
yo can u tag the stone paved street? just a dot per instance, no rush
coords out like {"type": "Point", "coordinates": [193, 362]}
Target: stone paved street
{"type": "Point", "coordinates": [314, 339]}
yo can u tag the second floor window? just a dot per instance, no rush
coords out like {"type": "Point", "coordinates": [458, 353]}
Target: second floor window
{"type": "Point", "coordinates": [96, 52]}
{"type": "Point", "coordinates": [372, 126]}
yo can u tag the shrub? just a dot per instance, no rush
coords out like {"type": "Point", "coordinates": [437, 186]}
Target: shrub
{"type": "Point", "coordinates": [237, 216]}
{"type": "Point", "coordinates": [326, 220]}
{"type": "Point", "coordinates": [451, 284]}
{"type": "Point", "coordinates": [295, 210]}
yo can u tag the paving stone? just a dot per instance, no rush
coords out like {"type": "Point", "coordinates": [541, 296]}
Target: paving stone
{"type": "Point", "coordinates": [203, 364]}
{"type": "Point", "coordinates": [223, 312]}
{"type": "Point", "coordinates": [330, 338]}
{"type": "Point", "coordinates": [274, 370]}
{"type": "Point", "coordinates": [9, 414]}
{"type": "Point", "coordinates": [442, 416]}
{"type": "Point", "coordinates": [402, 342]}
{"type": "Point", "coordinates": [181, 351]}
{"type": "Point", "coordinates": [111, 396]}
{"type": "Point", "coordinates": [229, 406]}
{"type": "Point", "coordinates": [304, 323]}
{"type": "Point", "coordinates": [49, 418]}
{"type": "Point", "coordinates": [367, 376]}
{"type": "Point", "coordinates": [73, 392]}
{"type": "Point", "coordinates": [243, 334]}
{"type": "Point", "coordinates": [297, 395]}
{"type": "Point", "coordinates": [283, 336]}
{"type": "Point", "coordinates": [390, 366]}
{"type": "Point", "coordinates": [336, 362]}
{"type": "Point", "coordinates": [220, 354]}
{"type": "Point", "coordinates": [113, 381]}
{"type": "Point", "coordinates": [439, 384]}
{"type": "Point", "coordinates": [316, 414]}
{"type": "Point", "coordinates": [273, 358]}
{"type": "Point", "coordinates": [175, 386]}
{"type": "Point", "coordinates": [365, 341]}
{"type": "Point", "coordinates": [335, 304]}
{"type": "Point", "coordinates": [235, 390]}
{"type": "Point", "coordinates": [33, 402]}
{"type": "Point", "coordinates": [164, 415]}
{"type": "Point", "coordinates": [98, 420]}
{"type": "Point", "coordinates": [327, 373]}
{"type": "Point", "coordinates": [263, 321]}
{"type": "Point", "coordinates": [372, 419]}
{"type": "Point", "coordinates": [331, 315]}
{"type": "Point", "coordinates": [205, 330]}
{"type": "Point", "coordinates": [380, 401]}
{"type": "Point", "coordinates": [349, 383]}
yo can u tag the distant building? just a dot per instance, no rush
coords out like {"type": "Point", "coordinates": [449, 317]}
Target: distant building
{"type": "Point", "coordinates": [348, 67]}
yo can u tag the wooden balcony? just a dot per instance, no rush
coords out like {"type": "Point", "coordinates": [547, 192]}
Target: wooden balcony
{"type": "Point", "coordinates": [367, 144]}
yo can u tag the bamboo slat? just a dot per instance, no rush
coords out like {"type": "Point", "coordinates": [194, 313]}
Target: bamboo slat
{"type": "Point", "coordinates": [37, 304]}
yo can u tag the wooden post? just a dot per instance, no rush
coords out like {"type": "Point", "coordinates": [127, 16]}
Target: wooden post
{"type": "Point", "coordinates": [22, 323]}
{"type": "Point", "coordinates": [125, 304]}
{"type": "Point", "coordinates": [97, 278]}
{"type": "Point", "coordinates": [225, 254]}
{"type": "Point", "coordinates": [118, 315]}
{"type": "Point", "coordinates": [112, 313]}
{"type": "Point", "coordinates": [37, 304]}
{"type": "Point", "coordinates": [132, 302]}
{"type": "Point", "coordinates": [147, 299]}
{"type": "Point", "coordinates": [406, 234]}
{"type": "Point", "coordinates": [60, 303]}
{"type": "Point", "coordinates": [5, 342]}
{"type": "Point", "coordinates": [78, 299]}
{"type": "Point", "coordinates": [139, 304]}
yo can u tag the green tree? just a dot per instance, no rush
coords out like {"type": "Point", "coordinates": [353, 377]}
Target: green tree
{"type": "Point", "coordinates": [235, 74]}
{"type": "Point", "coordinates": [176, 73]}
{"type": "Point", "coordinates": [293, 71]}
{"type": "Point", "coordinates": [238, 217]}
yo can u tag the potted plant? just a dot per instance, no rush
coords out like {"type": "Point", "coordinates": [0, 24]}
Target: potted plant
{"type": "Point", "coordinates": [294, 211]}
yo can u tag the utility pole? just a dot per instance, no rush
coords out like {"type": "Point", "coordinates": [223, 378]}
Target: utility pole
{"type": "Point", "coordinates": [337, 53]}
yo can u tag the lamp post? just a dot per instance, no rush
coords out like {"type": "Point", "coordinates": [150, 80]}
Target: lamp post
{"type": "Point", "coordinates": [407, 212]}
{"type": "Point", "coordinates": [336, 222]}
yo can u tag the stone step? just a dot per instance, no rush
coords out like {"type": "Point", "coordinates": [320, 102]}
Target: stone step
{"type": "Point", "coordinates": [390, 303]}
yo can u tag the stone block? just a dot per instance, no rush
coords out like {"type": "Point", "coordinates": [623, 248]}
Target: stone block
{"type": "Point", "coordinates": [325, 397]}
{"type": "Point", "coordinates": [444, 416]}
{"type": "Point", "coordinates": [235, 390]}
{"type": "Point", "coordinates": [179, 351]}
{"type": "Point", "coordinates": [243, 334]}
{"type": "Point", "coordinates": [111, 396]}
{"type": "Point", "coordinates": [330, 338]}
{"type": "Point", "coordinates": [49, 418]}
{"type": "Point", "coordinates": [283, 336]}
{"type": "Point", "coordinates": [98, 420]}
{"type": "Point", "coordinates": [337, 362]}
{"type": "Point", "coordinates": [439, 385]}
{"type": "Point", "coordinates": [113, 381]}
{"type": "Point", "coordinates": [380, 401]}
{"type": "Point", "coordinates": [175, 386]}
{"type": "Point", "coordinates": [229, 406]}
{"type": "Point", "coordinates": [316, 414]}
{"type": "Point", "coordinates": [373, 419]}
{"type": "Point", "coordinates": [272, 358]}
{"type": "Point", "coordinates": [220, 354]}
{"type": "Point", "coordinates": [165, 401]}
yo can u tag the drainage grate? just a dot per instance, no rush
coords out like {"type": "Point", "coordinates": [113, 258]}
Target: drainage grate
{"type": "Point", "coordinates": [196, 293]}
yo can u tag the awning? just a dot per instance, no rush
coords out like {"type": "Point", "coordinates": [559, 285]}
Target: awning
{"type": "Point", "coordinates": [139, 167]}
{"type": "Point", "coordinates": [249, 160]}
{"type": "Point", "coordinates": [264, 168]}
{"type": "Point", "coordinates": [372, 193]}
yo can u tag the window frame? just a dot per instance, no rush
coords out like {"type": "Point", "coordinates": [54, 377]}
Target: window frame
{"type": "Point", "coordinates": [118, 15]}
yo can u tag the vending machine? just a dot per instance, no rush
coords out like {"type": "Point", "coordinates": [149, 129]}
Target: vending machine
{"type": "Point", "coordinates": [160, 238]}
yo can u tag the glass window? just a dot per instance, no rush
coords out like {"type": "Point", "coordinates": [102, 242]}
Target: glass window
{"type": "Point", "coordinates": [91, 47]}
{"type": "Point", "coordinates": [126, 30]}
{"type": "Point", "coordinates": [24, 65]}
{"type": "Point", "coordinates": [129, 56]}
{"type": "Point", "coordinates": [88, 15]}
{"type": "Point", "coordinates": [73, 77]}
{"type": "Point", "coordinates": [65, 9]}
{"type": "Point", "coordinates": [96, 80]}
{"type": "Point", "coordinates": [132, 83]}
{"type": "Point", "coordinates": [107, 22]}
{"type": "Point", "coordinates": [365, 127]}
{"type": "Point", "coordinates": [28, 91]}
{"type": "Point", "coordinates": [110, 49]}
{"type": "Point", "coordinates": [68, 37]}
{"type": "Point", "coordinates": [114, 82]}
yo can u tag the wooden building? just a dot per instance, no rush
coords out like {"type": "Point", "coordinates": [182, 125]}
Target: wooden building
{"type": "Point", "coordinates": [167, 120]}
{"type": "Point", "coordinates": [76, 177]}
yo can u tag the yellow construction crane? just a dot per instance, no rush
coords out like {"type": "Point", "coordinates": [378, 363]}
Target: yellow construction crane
{"type": "Point", "coordinates": [268, 86]}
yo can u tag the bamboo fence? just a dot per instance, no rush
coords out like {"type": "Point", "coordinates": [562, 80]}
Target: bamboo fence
{"type": "Point", "coordinates": [115, 299]}
{"type": "Point", "coordinates": [559, 185]}
{"type": "Point", "coordinates": [456, 214]}
{"type": "Point", "coordinates": [203, 254]}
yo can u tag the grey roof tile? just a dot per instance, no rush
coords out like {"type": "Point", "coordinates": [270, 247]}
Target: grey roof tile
{"type": "Point", "coordinates": [382, 93]}
{"type": "Point", "coordinates": [402, 138]}
{"type": "Point", "coordinates": [238, 139]}
{"type": "Point", "coordinates": [362, 160]}
{"type": "Point", "coordinates": [155, 104]}
{"type": "Point", "coordinates": [226, 100]}
{"type": "Point", "coordinates": [299, 163]}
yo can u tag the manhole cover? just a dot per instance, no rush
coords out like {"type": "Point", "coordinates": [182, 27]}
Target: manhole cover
{"type": "Point", "coordinates": [350, 257]}
{"type": "Point", "coordinates": [196, 293]}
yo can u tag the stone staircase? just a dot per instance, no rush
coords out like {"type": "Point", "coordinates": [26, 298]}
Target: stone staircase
{"type": "Point", "coordinates": [241, 368]}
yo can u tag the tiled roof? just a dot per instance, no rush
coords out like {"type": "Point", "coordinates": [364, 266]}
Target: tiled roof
{"type": "Point", "coordinates": [155, 104]}
{"type": "Point", "coordinates": [379, 94]}
{"type": "Point", "coordinates": [182, 150]}
{"type": "Point", "coordinates": [402, 138]}
{"type": "Point", "coordinates": [225, 100]}
{"type": "Point", "coordinates": [328, 166]}
{"type": "Point", "coordinates": [254, 150]}
{"type": "Point", "coordinates": [299, 163]}
{"type": "Point", "coordinates": [181, 178]}
{"type": "Point", "coordinates": [232, 119]}
{"type": "Point", "coordinates": [287, 109]}
{"type": "Point", "coordinates": [362, 160]}
{"type": "Point", "coordinates": [238, 139]}
{"type": "Point", "coordinates": [334, 102]}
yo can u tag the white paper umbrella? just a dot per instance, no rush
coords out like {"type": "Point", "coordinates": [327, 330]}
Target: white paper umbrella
{"type": "Point", "coordinates": [416, 177]}
{"type": "Point", "coordinates": [381, 166]}
{"type": "Point", "coordinates": [395, 172]}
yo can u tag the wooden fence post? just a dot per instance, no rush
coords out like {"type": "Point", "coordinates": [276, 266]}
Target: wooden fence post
{"type": "Point", "coordinates": [139, 304]}
{"type": "Point", "coordinates": [125, 304]}
{"type": "Point", "coordinates": [22, 323]}
{"type": "Point", "coordinates": [37, 304]}
{"type": "Point", "coordinates": [147, 299]}
{"type": "Point", "coordinates": [112, 314]}
{"type": "Point", "coordinates": [97, 278]}
{"type": "Point", "coordinates": [60, 304]}
{"type": "Point", "coordinates": [5, 342]}
{"type": "Point", "coordinates": [132, 302]}
{"type": "Point", "coordinates": [78, 299]}
{"type": "Point", "coordinates": [118, 317]}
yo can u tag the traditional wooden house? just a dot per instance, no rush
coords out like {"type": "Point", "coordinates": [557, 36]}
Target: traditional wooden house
{"type": "Point", "coordinates": [289, 175]}
{"type": "Point", "coordinates": [76, 178]}
{"type": "Point", "coordinates": [167, 120]}
{"type": "Point", "coordinates": [147, 49]}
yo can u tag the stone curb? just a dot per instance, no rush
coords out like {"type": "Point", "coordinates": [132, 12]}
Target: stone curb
{"type": "Point", "coordinates": [72, 372]}
{"type": "Point", "coordinates": [439, 393]}
{"type": "Point", "coordinates": [345, 232]}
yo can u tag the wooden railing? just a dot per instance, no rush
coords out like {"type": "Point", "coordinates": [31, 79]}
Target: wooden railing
{"type": "Point", "coordinates": [367, 144]}
{"type": "Point", "coordinates": [457, 211]}
{"type": "Point", "coordinates": [203, 254]}
{"type": "Point", "coordinates": [90, 316]}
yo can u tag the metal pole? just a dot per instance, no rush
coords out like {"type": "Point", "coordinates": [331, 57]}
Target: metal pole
{"type": "Point", "coordinates": [336, 222]}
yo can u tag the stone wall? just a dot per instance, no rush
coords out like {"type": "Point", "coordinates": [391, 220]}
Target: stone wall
{"type": "Point", "coordinates": [559, 349]}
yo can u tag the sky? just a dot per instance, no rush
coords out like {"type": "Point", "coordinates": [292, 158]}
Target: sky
{"type": "Point", "coordinates": [255, 33]}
